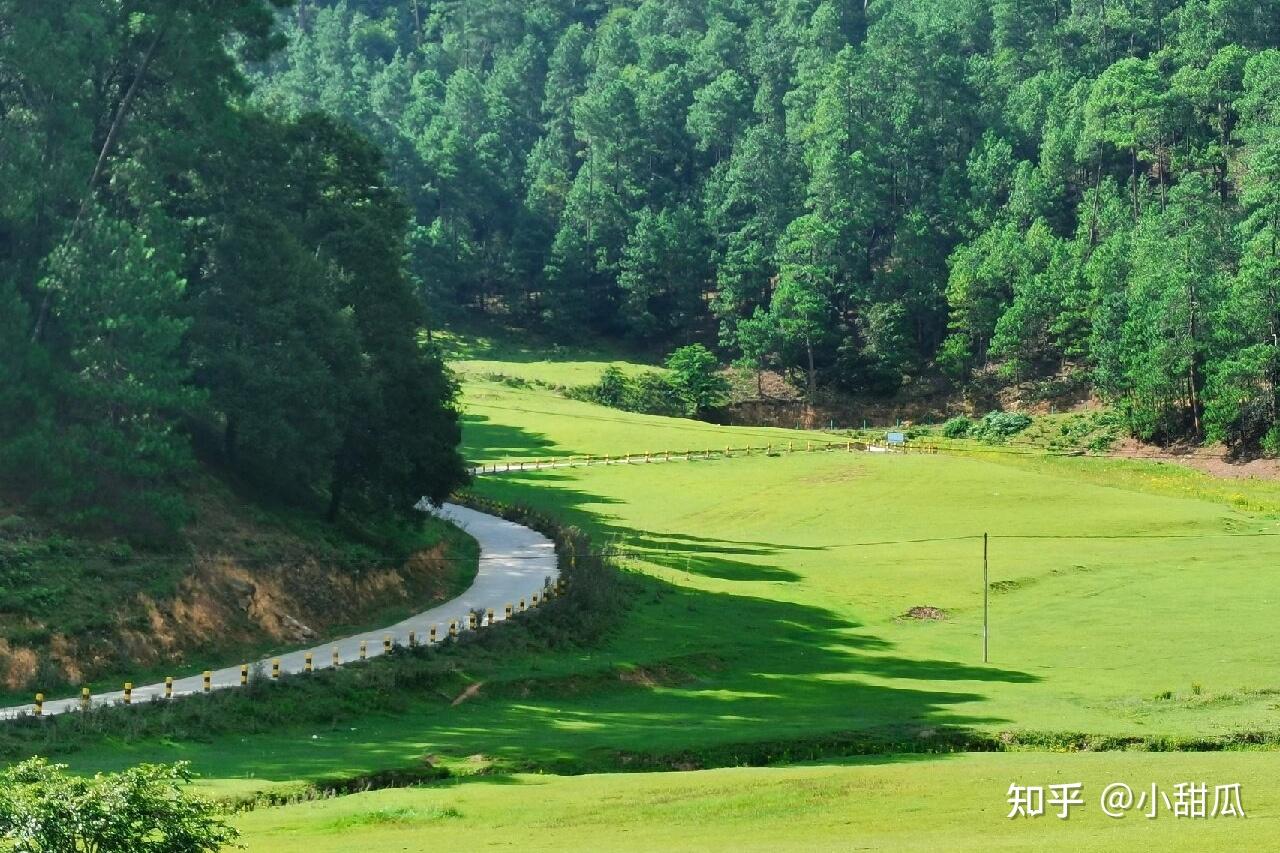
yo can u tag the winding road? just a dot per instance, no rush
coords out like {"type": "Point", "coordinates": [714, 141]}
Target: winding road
{"type": "Point", "coordinates": [515, 563]}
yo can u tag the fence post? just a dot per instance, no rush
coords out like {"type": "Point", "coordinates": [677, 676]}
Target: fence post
{"type": "Point", "coordinates": [208, 683]}
{"type": "Point", "coordinates": [128, 693]}
{"type": "Point", "coordinates": [244, 674]}
{"type": "Point", "coordinates": [522, 605]}
{"type": "Point", "coordinates": [453, 628]}
{"type": "Point", "coordinates": [534, 601]}
{"type": "Point", "coordinates": [509, 610]}
{"type": "Point", "coordinates": [168, 687]}
{"type": "Point", "coordinates": [39, 704]}
{"type": "Point", "coordinates": [275, 668]}
{"type": "Point", "coordinates": [84, 698]}
{"type": "Point", "coordinates": [337, 660]}
{"type": "Point", "coordinates": [489, 616]}
{"type": "Point", "coordinates": [364, 650]}
{"type": "Point", "coordinates": [432, 636]}
{"type": "Point", "coordinates": [386, 644]}
{"type": "Point", "coordinates": [307, 665]}
{"type": "Point", "coordinates": [471, 621]}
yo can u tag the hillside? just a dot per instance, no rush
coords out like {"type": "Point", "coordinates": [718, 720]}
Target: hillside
{"type": "Point", "coordinates": [953, 195]}
{"type": "Point", "coordinates": [244, 577]}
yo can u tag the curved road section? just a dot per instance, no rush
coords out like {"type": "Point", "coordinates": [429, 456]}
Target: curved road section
{"type": "Point", "coordinates": [515, 563]}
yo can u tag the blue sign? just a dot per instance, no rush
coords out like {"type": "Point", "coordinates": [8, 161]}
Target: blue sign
{"type": "Point", "coordinates": [896, 438]}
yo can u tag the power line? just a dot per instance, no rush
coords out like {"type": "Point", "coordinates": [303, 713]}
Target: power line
{"type": "Point", "coordinates": [644, 553]}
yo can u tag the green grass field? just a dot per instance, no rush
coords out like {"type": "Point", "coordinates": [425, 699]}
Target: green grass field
{"type": "Point", "coordinates": [503, 423]}
{"type": "Point", "coordinates": [1130, 604]}
{"type": "Point", "coordinates": [955, 803]}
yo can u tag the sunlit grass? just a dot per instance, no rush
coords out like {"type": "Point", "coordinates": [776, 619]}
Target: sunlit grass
{"type": "Point", "coordinates": [928, 804]}
{"type": "Point", "coordinates": [771, 615]}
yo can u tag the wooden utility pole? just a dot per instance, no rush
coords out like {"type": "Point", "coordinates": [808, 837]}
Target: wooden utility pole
{"type": "Point", "coordinates": [985, 608]}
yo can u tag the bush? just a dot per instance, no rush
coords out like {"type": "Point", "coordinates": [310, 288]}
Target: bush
{"type": "Point", "coordinates": [692, 387]}
{"type": "Point", "coordinates": [1271, 442]}
{"type": "Point", "coordinates": [695, 377]}
{"type": "Point", "coordinates": [996, 427]}
{"type": "Point", "coordinates": [612, 389]}
{"type": "Point", "coordinates": [43, 807]}
{"type": "Point", "coordinates": [957, 427]}
{"type": "Point", "coordinates": [652, 394]}
{"type": "Point", "coordinates": [649, 393]}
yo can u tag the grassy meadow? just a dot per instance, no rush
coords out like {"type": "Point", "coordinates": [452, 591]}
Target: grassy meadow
{"type": "Point", "coordinates": [899, 803]}
{"type": "Point", "coordinates": [801, 607]}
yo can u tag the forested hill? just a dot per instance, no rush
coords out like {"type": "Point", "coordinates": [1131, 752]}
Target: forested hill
{"type": "Point", "coordinates": [186, 278]}
{"type": "Point", "coordinates": [1018, 188]}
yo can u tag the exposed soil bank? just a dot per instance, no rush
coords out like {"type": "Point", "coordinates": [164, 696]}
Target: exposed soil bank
{"type": "Point", "coordinates": [241, 580]}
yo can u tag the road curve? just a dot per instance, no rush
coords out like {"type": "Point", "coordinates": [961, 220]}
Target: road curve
{"type": "Point", "coordinates": [515, 563]}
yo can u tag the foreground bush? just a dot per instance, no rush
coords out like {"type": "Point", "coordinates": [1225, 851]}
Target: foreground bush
{"type": "Point", "coordinates": [44, 809]}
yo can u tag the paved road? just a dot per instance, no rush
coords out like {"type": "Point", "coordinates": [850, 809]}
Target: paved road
{"type": "Point", "coordinates": [515, 563]}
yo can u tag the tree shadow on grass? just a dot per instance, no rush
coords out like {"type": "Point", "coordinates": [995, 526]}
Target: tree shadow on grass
{"type": "Point", "coordinates": [713, 678]}
{"type": "Point", "coordinates": [487, 440]}
{"type": "Point", "coordinates": [719, 567]}
{"type": "Point", "coordinates": [698, 555]}
{"type": "Point", "coordinates": [719, 677]}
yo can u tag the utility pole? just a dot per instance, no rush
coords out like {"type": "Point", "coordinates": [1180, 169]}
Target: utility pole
{"type": "Point", "coordinates": [985, 608]}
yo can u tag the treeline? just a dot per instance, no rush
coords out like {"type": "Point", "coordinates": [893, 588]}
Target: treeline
{"type": "Point", "coordinates": [184, 277]}
{"type": "Point", "coordinates": [859, 193]}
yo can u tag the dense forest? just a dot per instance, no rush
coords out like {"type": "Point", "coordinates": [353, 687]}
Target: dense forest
{"type": "Point", "coordinates": [860, 194]}
{"type": "Point", "coordinates": [228, 228]}
{"type": "Point", "coordinates": [188, 280]}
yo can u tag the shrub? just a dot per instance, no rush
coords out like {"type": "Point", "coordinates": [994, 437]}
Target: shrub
{"type": "Point", "coordinates": [652, 394]}
{"type": "Point", "coordinates": [996, 427]}
{"type": "Point", "coordinates": [957, 427]}
{"type": "Point", "coordinates": [43, 807]}
{"type": "Point", "coordinates": [649, 393]}
{"type": "Point", "coordinates": [1271, 442]}
{"type": "Point", "coordinates": [695, 377]}
{"type": "Point", "coordinates": [612, 389]}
